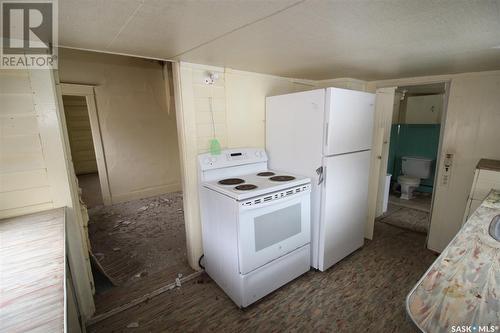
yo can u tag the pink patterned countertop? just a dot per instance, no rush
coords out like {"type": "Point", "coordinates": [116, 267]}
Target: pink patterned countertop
{"type": "Point", "coordinates": [461, 290]}
{"type": "Point", "coordinates": [32, 272]}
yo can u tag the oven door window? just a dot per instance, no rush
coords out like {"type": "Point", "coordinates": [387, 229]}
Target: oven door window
{"type": "Point", "coordinates": [272, 230]}
{"type": "Point", "coordinates": [277, 226]}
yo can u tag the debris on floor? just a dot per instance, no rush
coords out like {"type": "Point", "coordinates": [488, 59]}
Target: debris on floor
{"type": "Point", "coordinates": [139, 238]}
{"type": "Point", "coordinates": [141, 274]}
{"type": "Point", "coordinates": [133, 325]}
{"type": "Point", "coordinates": [178, 280]}
{"type": "Point", "coordinates": [369, 288]}
{"type": "Point", "coordinates": [95, 262]}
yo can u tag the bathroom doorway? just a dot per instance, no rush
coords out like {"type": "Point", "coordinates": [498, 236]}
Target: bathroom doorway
{"type": "Point", "coordinates": [405, 200]}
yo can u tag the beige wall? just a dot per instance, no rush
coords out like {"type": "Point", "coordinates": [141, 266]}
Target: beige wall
{"type": "Point", "coordinates": [239, 108]}
{"type": "Point", "coordinates": [470, 132]}
{"type": "Point", "coordinates": [246, 92]}
{"type": "Point", "coordinates": [138, 130]}
{"type": "Point", "coordinates": [422, 109]}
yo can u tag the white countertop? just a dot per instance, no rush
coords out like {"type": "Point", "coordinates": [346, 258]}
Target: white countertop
{"type": "Point", "coordinates": [462, 287]}
{"type": "Point", "coordinates": [32, 268]}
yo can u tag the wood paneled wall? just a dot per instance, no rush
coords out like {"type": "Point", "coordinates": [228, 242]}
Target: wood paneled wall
{"type": "Point", "coordinates": [80, 134]}
{"type": "Point", "coordinates": [35, 173]}
{"type": "Point", "coordinates": [24, 186]}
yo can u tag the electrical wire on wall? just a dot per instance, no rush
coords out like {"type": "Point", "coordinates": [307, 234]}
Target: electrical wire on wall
{"type": "Point", "coordinates": [215, 148]}
{"type": "Point", "coordinates": [214, 143]}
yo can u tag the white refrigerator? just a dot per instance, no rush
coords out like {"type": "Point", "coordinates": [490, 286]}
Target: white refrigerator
{"type": "Point", "coordinates": [326, 134]}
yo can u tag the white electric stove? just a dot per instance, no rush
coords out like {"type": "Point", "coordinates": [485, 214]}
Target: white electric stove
{"type": "Point", "coordinates": [255, 223]}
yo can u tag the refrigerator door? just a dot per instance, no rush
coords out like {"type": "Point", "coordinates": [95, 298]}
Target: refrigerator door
{"type": "Point", "coordinates": [350, 121]}
{"type": "Point", "coordinates": [294, 142]}
{"type": "Point", "coordinates": [344, 206]}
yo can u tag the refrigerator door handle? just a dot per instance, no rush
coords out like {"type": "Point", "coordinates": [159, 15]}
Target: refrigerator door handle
{"type": "Point", "coordinates": [326, 135]}
{"type": "Point", "coordinates": [320, 172]}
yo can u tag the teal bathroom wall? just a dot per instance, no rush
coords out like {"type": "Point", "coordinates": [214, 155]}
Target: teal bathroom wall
{"type": "Point", "coordinates": [413, 140]}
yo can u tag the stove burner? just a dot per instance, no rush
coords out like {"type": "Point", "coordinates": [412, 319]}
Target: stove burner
{"type": "Point", "coordinates": [282, 178]}
{"type": "Point", "coordinates": [246, 187]}
{"type": "Point", "coordinates": [266, 174]}
{"type": "Point", "coordinates": [231, 181]}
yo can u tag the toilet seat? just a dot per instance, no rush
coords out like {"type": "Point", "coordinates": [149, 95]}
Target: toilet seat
{"type": "Point", "coordinates": [412, 181]}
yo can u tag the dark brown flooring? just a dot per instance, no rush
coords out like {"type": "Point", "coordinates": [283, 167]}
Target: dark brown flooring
{"type": "Point", "coordinates": [141, 245]}
{"type": "Point", "coordinates": [363, 293]}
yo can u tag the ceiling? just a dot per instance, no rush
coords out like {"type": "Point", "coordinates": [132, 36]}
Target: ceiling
{"type": "Point", "coordinates": [312, 39]}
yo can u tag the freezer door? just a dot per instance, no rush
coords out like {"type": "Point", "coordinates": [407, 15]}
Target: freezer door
{"type": "Point", "coordinates": [344, 206]}
{"type": "Point", "coordinates": [294, 143]}
{"type": "Point", "coordinates": [350, 121]}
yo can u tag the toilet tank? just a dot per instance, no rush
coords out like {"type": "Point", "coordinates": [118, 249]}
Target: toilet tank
{"type": "Point", "coordinates": [419, 167]}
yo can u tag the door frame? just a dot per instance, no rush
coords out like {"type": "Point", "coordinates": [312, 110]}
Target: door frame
{"type": "Point", "coordinates": [87, 91]}
{"type": "Point", "coordinates": [377, 176]}
{"type": "Point", "coordinates": [444, 114]}
{"type": "Point", "coordinates": [384, 107]}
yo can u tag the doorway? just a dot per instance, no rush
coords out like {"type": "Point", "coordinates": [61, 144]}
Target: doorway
{"type": "Point", "coordinates": [136, 231]}
{"type": "Point", "coordinates": [85, 142]}
{"type": "Point", "coordinates": [410, 136]}
{"type": "Point", "coordinates": [82, 149]}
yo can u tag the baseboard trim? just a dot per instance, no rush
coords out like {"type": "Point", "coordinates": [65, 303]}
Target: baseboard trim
{"type": "Point", "coordinates": [145, 193]}
{"type": "Point", "coordinates": [142, 299]}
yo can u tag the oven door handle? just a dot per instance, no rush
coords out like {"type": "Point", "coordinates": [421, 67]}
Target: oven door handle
{"type": "Point", "coordinates": [275, 201]}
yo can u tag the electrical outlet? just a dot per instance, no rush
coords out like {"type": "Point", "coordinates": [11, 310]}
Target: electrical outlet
{"type": "Point", "coordinates": [447, 166]}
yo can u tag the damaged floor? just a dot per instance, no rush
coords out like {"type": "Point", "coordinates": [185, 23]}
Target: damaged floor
{"type": "Point", "coordinates": [141, 245]}
{"type": "Point", "coordinates": [365, 292]}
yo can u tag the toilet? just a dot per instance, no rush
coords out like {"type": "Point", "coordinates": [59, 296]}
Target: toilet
{"type": "Point", "coordinates": [414, 169]}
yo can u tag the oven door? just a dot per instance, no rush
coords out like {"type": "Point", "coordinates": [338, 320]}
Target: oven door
{"type": "Point", "coordinates": [272, 229]}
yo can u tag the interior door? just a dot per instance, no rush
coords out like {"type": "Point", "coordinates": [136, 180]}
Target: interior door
{"type": "Point", "coordinates": [384, 104]}
{"type": "Point", "coordinates": [385, 124]}
{"type": "Point", "coordinates": [345, 206]}
{"type": "Point", "coordinates": [350, 120]}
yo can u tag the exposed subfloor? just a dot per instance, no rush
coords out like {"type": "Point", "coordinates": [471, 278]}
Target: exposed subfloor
{"type": "Point", "coordinates": [365, 292]}
{"type": "Point", "coordinates": [141, 244]}
{"type": "Point", "coordinates": [91, 189]}
{"type": "Point", "coordinates": [407, 218]}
